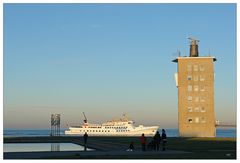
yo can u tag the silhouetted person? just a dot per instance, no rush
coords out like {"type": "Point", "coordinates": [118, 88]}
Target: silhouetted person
{"type": "Point", "coordinates": [131, 146]}
{"type": "Point", "coordinates": [151, 145]}
{"type": "Point", "coordinates": [143, 142]}
{"type": "Point", "coordinates": [164, 139]}
{"type": "Point", "coordinates": [85, 137]}
{"type": "Point", "coordinates": [157, 140]}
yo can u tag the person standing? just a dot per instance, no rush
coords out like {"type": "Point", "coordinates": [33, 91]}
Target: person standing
{"type": "Point", "coordinates": [143, 142]}
{"type": "Point", "coordinates": [131, 146]}
{"type": "Point", "coordinates": [157, 140]}
{"type": "Point", "coordinates": [164, 139]}
{"type": "Point", "coordinates": [85, 137]}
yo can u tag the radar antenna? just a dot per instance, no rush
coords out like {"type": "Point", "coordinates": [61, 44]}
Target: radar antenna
{"type": "Point", "coordinates": [193, 39]}
{"type": "Point", "coordinates": [193, 47]}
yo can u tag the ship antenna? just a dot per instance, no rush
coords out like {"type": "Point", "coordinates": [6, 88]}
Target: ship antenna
{"type": "Point", "coordinates": [85, 120]}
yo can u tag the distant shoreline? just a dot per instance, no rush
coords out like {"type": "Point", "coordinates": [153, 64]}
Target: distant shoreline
{"type": "Point", "coordinates": [171, 132]}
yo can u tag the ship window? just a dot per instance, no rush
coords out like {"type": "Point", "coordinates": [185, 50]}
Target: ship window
{"type": "Point", "coordinates": [108, 131]}
{"type": "Point", "coordinates": [87, 130]}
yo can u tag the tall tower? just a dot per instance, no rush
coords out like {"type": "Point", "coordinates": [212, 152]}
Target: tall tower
{"type": "Point", "coordinates": [195, 83]}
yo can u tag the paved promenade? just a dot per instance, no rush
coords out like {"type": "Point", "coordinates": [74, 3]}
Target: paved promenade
{"type": "Point", "coordinates": [83, 154]}
{"type": "Point", "coordinates": [115, 148]}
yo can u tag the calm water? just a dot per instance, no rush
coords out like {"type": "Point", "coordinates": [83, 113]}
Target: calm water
{"type": "Point", "coordinates": [29, 147]}
{"type": "Point", "coordinates": [221, 132]}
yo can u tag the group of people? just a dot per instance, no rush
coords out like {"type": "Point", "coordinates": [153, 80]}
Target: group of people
{"type": "Point", "coordinates": [155, 143]}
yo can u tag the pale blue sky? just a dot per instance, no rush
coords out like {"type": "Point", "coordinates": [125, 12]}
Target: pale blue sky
{"type": "Point", "coordinates": [110, 59]}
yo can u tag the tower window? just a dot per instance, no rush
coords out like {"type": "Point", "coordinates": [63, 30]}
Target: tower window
{"type": "Point", "coordinates": [201, 68]}
{"type": "Point", "coordinates": [196, 109]}
{"type": "Point", "coordinates": [195, 67]}
{"type": "Point", "coordinates": [203, 120]}
{"type": "Point", "coordinates": [190, 120]}
{"type": "Point", "coordinates": [189, 98]}
{"type": "Point", "coordinates": [202, 99]}
{"type": "Point", "coordinates": [196, 120]}
{"type": "Point", "coordinates": [196, 78]}
{"type": "Point", "coordinates": [189, 88]}
{"type": "Point", "coordinates": [189, 67]}
{"type": "Point", "coordinates": [190, 109]}
{"type": "Point", "coordinates": [203, 109]}
{"type": "Point", "coordinates": [202, 88]}
{"type": "Point", "coordinates": [195, 87]}
{"type": "Point", "coordinates": [196, 99]}
{"type": "Point", "coordinates": [202, 78]}
{"type": "Point", "coordinates": [189, 77]}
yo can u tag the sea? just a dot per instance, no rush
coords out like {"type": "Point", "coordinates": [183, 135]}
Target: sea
{"type": "Point", "coordinates": [221, 132]}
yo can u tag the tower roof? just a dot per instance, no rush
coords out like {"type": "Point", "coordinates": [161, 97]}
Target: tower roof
{"type": "Point", "coordinates": [176, 60]}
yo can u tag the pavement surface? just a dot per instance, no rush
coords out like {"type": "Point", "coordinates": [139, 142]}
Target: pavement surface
{"type": "Point", "coordinates": [84, 154]}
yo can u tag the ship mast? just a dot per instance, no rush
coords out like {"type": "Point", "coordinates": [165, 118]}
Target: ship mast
{"type": "Point", "coordinates": [85, 120]}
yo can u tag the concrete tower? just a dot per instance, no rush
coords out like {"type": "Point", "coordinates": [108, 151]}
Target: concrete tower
{"type": "Point", "coordinates": [195, 83]}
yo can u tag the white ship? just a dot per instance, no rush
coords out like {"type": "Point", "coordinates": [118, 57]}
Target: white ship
{"type": "Point", "coordinates": [116, 127]}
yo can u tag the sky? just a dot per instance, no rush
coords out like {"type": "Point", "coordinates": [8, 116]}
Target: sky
{"type": "Point", "coordinates": [110, 59]}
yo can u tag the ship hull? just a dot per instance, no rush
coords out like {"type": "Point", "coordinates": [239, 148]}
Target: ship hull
{"type": "Point", "coordinates": [138, 131]}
